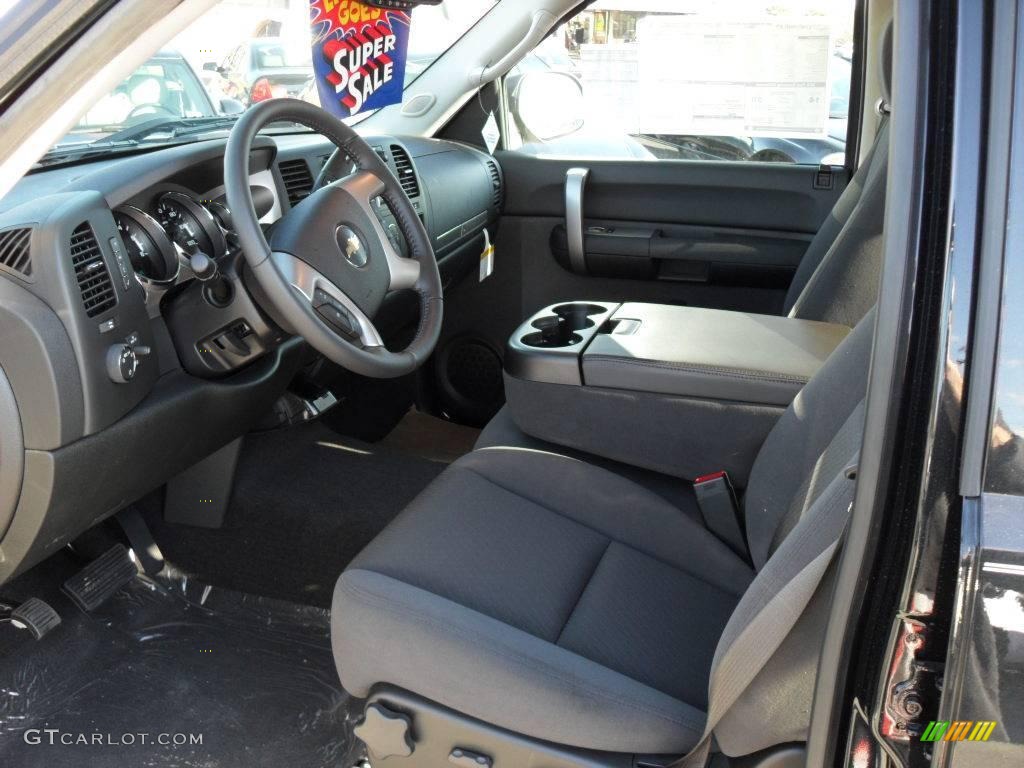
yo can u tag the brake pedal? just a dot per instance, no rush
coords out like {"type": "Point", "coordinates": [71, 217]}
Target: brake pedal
{"type": "Point", "coordinates": [36, 616]}
{"type": "Point", "coordinates": [93, 585]}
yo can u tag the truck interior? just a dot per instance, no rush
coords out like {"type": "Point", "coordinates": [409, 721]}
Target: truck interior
{"type": "Point", "coordinates": [291, 459]}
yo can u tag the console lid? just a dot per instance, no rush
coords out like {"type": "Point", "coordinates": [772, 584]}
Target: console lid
{"type": "Point", "coordinates": [708, 353]}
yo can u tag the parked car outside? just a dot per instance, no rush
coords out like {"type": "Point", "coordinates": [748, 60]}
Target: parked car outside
{"type": "Point", "coordinates": [267, 67]}
{"type": "Point", "coordinates": [165, 86]}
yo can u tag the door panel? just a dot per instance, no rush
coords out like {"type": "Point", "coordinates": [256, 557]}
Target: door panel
{"type": "Point", "coordinates": [725, 235]}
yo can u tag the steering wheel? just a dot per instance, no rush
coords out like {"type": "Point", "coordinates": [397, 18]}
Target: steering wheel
{"type": "Point", "coordinates": [329, 262]}
{"type": "Point", "coordinates": [149, 108]}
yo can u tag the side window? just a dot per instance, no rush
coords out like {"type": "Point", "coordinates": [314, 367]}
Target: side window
{"type": "Point", "coordinates": [631, 79]}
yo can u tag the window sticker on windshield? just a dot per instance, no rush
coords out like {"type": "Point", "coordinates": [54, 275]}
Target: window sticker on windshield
{"type": "Point", "coordinates": [359, 55]}
{"type": "Point", "coordinates": [712, 77]}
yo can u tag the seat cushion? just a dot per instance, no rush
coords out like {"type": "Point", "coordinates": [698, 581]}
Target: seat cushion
{"type": "Point", "coordinates": [545, 595]}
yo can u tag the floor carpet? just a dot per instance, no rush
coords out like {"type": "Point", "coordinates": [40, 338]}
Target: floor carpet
{"type": "Point", "coordinates": [236, 674]}
{"type": "Point", "coordinates": [171, 672]}
{"type": "Point", "coordinates": [305, 502]}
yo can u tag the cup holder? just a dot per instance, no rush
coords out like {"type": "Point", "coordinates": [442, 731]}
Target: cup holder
{"type": "Point", "coordinates": [561, 328]}
{"type": "Point", "coordinates": [579, 311]}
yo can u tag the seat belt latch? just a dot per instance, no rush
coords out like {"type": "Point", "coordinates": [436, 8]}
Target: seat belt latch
{"type": "Point", "coordinates": [716, 499]}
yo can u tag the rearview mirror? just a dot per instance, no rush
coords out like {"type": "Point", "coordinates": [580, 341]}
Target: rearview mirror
{"type": "Point", "coordinates": [210, 66]}
{"type": "Point", "coordinates": [548, 105]}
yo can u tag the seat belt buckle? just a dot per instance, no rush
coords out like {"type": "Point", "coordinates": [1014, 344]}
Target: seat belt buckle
{"type": "Point", "coordinates": [716, 499]}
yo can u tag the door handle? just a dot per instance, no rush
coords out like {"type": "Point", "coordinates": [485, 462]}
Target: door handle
{"type": "Point", "coordinates": [575, 186]}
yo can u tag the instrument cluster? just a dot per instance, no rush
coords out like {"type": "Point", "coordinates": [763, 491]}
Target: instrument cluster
{"type": "Point", "coordinates": [159, 243]}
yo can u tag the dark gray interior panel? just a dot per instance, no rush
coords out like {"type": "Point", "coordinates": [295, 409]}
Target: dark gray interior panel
{"type": "Point", "coordinates": [12, 453]}
{"type": "Point", "coordinates": [40, 363]}
{"type": "Point", "coordinates": [546, 281]}
{"type": "Point", "coordinates": [445, 173]}
{"type": "Point", "coordinates": [76, 272]}
{"type": "Point", "coordinates": [706, 234]}
{"type": "Point", "coordinates": [778, 197]}
{"type": "Point", "coordinates": [183, 420]}
{"type": "Point", "coordinates": [684, 253]}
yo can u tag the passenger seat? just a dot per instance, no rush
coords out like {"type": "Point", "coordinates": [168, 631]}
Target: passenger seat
{"type": "Point", "coordinates": [532, 608]}
{"type": "Point", "coordinates": [563, 603]}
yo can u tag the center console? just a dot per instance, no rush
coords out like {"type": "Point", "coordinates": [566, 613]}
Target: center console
{"type": "Point", "coordinates": [679, 390]}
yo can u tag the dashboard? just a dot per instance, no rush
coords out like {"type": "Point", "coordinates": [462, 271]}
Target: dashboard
{"type": "Point", "coordinates": [135, 343]}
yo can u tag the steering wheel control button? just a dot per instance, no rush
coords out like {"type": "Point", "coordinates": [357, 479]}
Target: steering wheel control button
{"type": "Point", "coordinates": [335, 315]}
{"type": "Point", "coordinates": [352, 247]}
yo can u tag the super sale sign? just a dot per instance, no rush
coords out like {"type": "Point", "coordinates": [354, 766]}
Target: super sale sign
{"type": "Point", "coordinates": [359, 55]}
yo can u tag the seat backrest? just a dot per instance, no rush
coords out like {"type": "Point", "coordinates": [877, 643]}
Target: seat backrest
{"type": "Point", "coordinates": [791, 516]}
{"type": "Point", "coordinates": [799, 493]}
{"type": "Point", "coordinates": [808, 446]}
{"type": "Point", "coordinates": [837, 280]}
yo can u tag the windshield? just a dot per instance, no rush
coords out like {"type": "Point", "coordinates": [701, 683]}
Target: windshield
{"type": "Point", "coordinates": [205, 78]}
{"type": "Point", "coordinates": [271, 54]}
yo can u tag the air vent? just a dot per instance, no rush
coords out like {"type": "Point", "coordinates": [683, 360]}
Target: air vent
{"type": "Point", "coordinates": [91, 272]}
{"type": "Point", "coordinates": [298, 180]}
{"type": "Point", "coordinates": [14, 250]}
{"type": "Point", "coordinates": [499, 196]}
{"type": "Point", "coordinates": [404, 169]}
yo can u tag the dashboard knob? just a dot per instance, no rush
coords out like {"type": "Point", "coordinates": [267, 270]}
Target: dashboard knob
{"type": "Point", "coordinates": [122, 363]}
{"type": "Point", "coordinates": [204, 267]}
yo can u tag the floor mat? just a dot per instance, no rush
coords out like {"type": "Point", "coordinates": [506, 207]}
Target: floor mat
{"type": "Point", "coordinates": [225, 679]}
{"type": "Point", "coordinates": [431, 438]}
{"type": "Point", "coordinates": [305, 502]}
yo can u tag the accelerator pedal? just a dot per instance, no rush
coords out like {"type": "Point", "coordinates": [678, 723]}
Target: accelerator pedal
{"type": "Point", "coordinates": [93, 585]}
{"type": "Point", "coordinates": [36, 616]}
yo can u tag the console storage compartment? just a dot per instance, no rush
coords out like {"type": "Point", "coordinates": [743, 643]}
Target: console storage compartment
{"type": "Point", "coordinates": [679, 390]}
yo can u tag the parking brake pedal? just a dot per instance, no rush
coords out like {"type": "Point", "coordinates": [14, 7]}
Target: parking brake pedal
{"type": "Point", "coordinates": [93, 585]}
{"type": "Point", "coordinates": [35, 616]}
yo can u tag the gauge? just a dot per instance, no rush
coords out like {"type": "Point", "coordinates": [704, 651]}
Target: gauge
{"type": "Point", "coordinates": [149, 249]}
{"type": "Point", "coordinates": [190, 225]}
{"type": "Point", "coordinates": [223, 215]}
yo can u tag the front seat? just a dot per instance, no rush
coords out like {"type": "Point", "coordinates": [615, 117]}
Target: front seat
{"type": "Point", "coordinates": [563, 603]}
{"type": "Point", "coordinates": [836, 282]}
